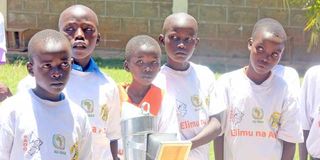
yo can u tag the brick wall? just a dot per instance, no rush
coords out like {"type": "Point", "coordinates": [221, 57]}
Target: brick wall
{"type": "Point", "coordinates": [225, 25]}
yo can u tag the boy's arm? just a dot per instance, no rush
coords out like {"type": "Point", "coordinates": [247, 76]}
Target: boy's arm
{"type": "Point", "coordinates": [303, 153]}
{"type": "Point", "coordinates": [288, 150]}
{"type": "Point", "coordinates": [218, 148]}
{"type": "Point", "coordinates": [209, 132]}
{"type": "Point", "coordinates": [114, 149]}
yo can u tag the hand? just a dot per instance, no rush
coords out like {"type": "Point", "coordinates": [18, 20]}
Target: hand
{"type": "Point", "coordinates": [4, 92]}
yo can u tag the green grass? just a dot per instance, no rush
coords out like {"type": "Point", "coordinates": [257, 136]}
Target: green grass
{"type": "Point", "coordinates": [12, 73]}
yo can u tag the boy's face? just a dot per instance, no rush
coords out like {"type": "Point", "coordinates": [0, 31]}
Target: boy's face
{"type": "Point", "coordinates": [143, 64]}
{"type": "Point", "coordinates": [80, 27]}
{"type": "Point", "coordinates": [179, 41]}
{"type": "Point", "coordinates": [265, 52]}
{"type": "Point", "coordinates": [51, 70]}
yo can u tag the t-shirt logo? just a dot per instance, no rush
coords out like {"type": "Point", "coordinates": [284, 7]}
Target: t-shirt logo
{"type": "Point", "coordinates": [88, 106]}
{"type": "Point", "coordinates": [196, 102]}
{"type": "Point", "coordinates": [74, 150]}
{"type": "Point", "coordinates": [235, 116]}
{"type": "Point", "coordinates": [257, 114]}
{"type": "Point", "coordinates": [31, 144]}
{"type": "Point", "coordinates": [182, 108]}
{"type": "Point", "coordinates": [104, 112]}
{"type": "Point", "coordinates": [58, 141]}
{"type": "Point", "coordinates": [275, 120]}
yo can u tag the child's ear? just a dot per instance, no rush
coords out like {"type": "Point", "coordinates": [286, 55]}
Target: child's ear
{"type": "Point", "coordinates": [197, 41]}
{"type": "Point", "coordinates": [30, 68]}
{"type": "Point", "coordinates": [125, 66]}
{"type": "Point", "coordinates": [161, 39]}
{"type": "Point", "coordinates": [250, 42]}
{"type": "Point", "coordinates": [98, 39]}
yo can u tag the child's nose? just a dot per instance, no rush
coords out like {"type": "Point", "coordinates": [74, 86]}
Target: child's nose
{"type": "Point", "coordinates": [79, 34]}
{"type": "Point", "coordinates": [181, 45]}
{"type": "Point", "coordinates": [56, 73]}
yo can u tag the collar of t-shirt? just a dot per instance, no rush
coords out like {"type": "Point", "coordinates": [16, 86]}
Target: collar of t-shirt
{"type": "Point", "coordinates": [92, 66]}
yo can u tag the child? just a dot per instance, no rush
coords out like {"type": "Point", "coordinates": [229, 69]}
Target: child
{"type": "Point", "coordinates": [4, 92]}
{"type": "Point", "coordinates": [310, 106]}
{"type": "Point", "coordinates": [3, 48]}
{"type": "Point", "coordinates": [313, 141]}
{"type": "Point", "coordinates": [261, 121]}
{"type": "Point", "coordinates": [41, 123]}
{"type": "Point", "coordinates": [142, 60]}
{"type": "Point", "coordinates": [189, 83]}
{"type": "Point", "coordinates": [94, 91]}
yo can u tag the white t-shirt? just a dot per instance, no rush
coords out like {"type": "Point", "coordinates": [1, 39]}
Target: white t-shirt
{"type": "Point", "coordinates": [290, 75]}
{"type": "Point", "coordinates": [313, 141]}
{"type": "Point", "coordinates": [33, 128]}
{"type": "Point", "coordinates": [162, 106]}
{"type": "Point", "coordinates": [193, 92]}
{"type": "Point", "coordinates": [310, 96]}
{"type": "Point", "coordinates": [258, 116]}
{"type": "Point", "coordinates": [98, 95]}
{"type": "Point", "coordinates": [3, 48]}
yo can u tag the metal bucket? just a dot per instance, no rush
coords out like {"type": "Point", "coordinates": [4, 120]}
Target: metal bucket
{"type": "Point", "coordinates": [135, 132]}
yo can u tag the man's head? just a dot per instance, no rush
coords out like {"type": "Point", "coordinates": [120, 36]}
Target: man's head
{"type": "Point", "coordinates": [266, 46]}
{"type": "Point", "coordinates": [179, 39]}
{"type": "Point", "coordinates": [142, 59]}
{"type": "Point", "coordinates": [49, 54]}
{"type": "Point", "coordinates": [80, 25]}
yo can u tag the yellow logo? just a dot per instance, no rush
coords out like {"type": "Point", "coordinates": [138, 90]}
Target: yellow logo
{"type": "Point", "coordinates": [74, 150]}
{"type": "Point", "coordinates": [87, 105]}
{"type": "Point", "coordinates": [58, 141]}
{"type": "Point", "coordinates": [257, 113]}
{"type": "Point", "coordinates": [208, 100]}
{"type": "Point", "coordinates": [104, 112]}
{"type": "Point", "coordinates": [196, 102]}
{"type": "Point", "coordinates": [275, 120]}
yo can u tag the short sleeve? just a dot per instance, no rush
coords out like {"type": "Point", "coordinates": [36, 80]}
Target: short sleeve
{"type": "Point", "coordinates": [313, 141]}
{"type": "Point", "coordinates": [114, 117]}
{"type": "Point", "coordinates": [290, 127]}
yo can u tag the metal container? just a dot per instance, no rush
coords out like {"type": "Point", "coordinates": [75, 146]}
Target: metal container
{"type": "Point", "coordinates": [154, 141]}
{"type": "Point", "coordinates": [135, 132]}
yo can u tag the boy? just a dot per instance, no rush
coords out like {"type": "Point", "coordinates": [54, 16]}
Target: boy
{"type": "Point", "coordinates": [310, 105]}
{"type": "Point", "coordinates": [313, 141]}
{"type": "Point", "coordinates": [4, 90]}
{"type": "Point", "coordinates": [189, 83]}
{"type": "Point", "coordinates": [88, 87]}
{"type": "Point", "coordinates": [142, 60]}
{"type": "Point", "coordinates": [41, 123]}
{"type": "Point", "coordinates": [261, 121]}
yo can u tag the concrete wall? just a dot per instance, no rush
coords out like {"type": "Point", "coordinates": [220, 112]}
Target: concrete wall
{"type": "Point", "coordinates": [225, 25]}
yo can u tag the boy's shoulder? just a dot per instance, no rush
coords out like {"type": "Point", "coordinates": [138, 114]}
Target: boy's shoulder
{"type": "Point", "coordinates": [17, 103]}
{"type": "Point", "coordinates": [313, 71]}
{"type": "Point", "coordinates": [200, 68]}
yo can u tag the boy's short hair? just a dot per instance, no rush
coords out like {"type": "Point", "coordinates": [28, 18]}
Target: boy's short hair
{"type": "Point", "coordinates": [180, 16]}
{"type": "Point", "coordinates": [269, 25]}
{"type": "Point", "coordinates": [46, 37]}
{"type": "Point", "coordinates": [138, 41]}
{"type": "Point", "coordinates": [79, 7]}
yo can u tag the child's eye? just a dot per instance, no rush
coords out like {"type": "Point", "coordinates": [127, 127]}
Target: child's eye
{"type": "Point", "coordinates": [88, 30]}
{"type": "Point", "coordinates": [275, 55]}
{"type": "Point", "coordinates": [175, 38]}
{"type": "Point", "coordinates": [189, 40]}
{"type": "Point", "coordinates": [65, 65]}
{"type": "Point", "coordinates": [69, 29]}
{"type": "Point", "coordinates": [139, 62]}
{"type": "Point", "coordinates": [259, 49]}
{"type": "Point", "coordinates": [46, 66]}
{"type": "Point", "coordinates": [155, 63]}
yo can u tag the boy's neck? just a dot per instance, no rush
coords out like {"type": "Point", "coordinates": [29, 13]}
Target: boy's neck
{"type": "Point", "coordinates": [178, 66]}
{"type": "Point", "coordinates": [137, 92]}
{"type": "Point", "coordinates": [84, 63]}
{"type": "Point", "coordinates": [53, 98]}
{"type": "Point", "coordinates": [255, 77]}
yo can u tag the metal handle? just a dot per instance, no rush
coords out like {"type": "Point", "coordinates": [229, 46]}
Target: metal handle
{"type": "Point", "coordinates": [143, 105]}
